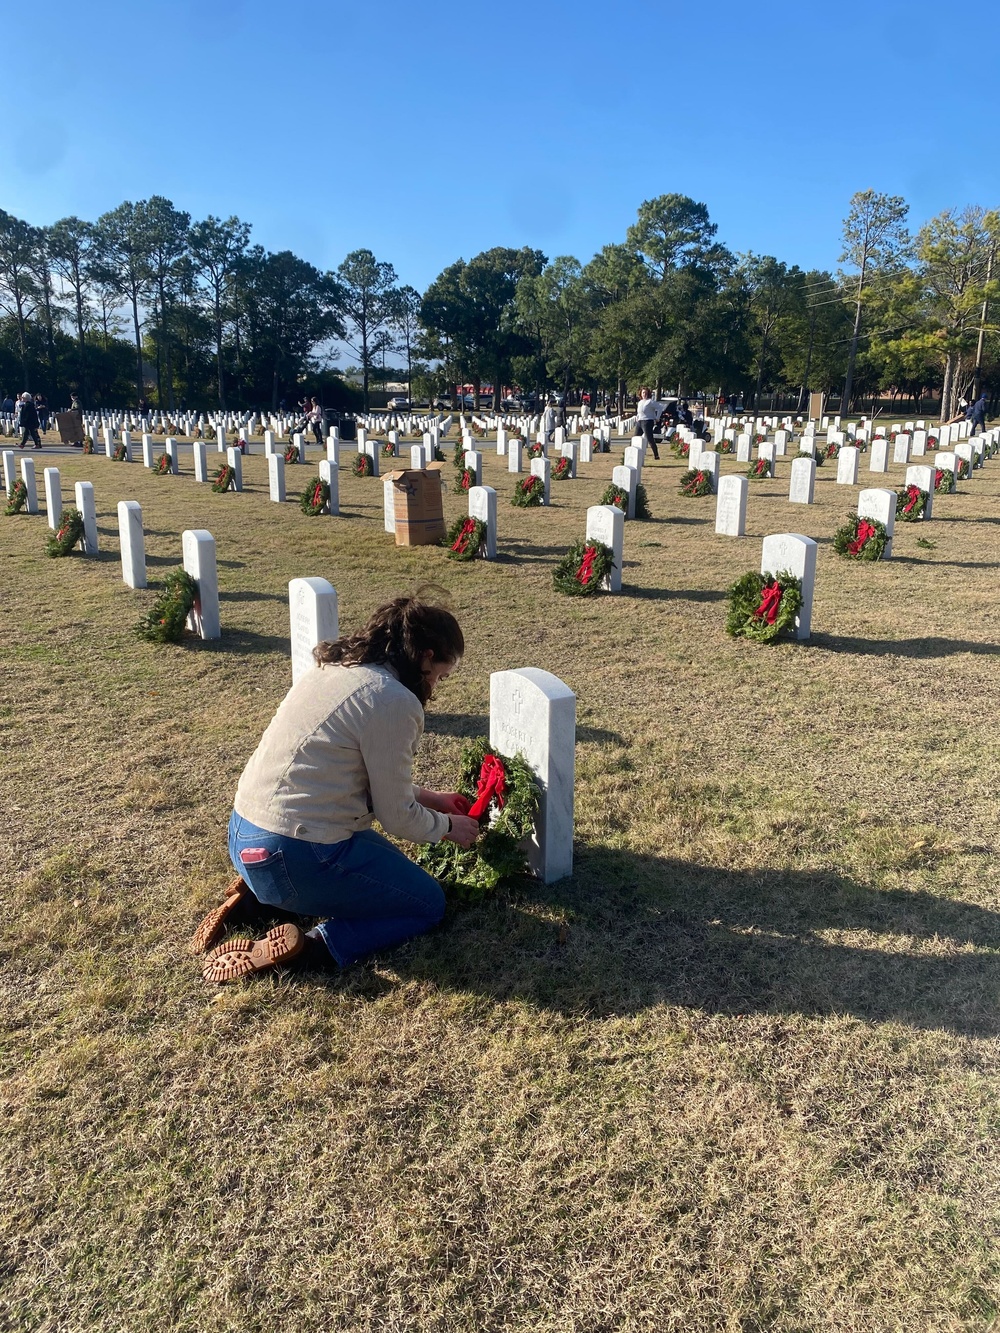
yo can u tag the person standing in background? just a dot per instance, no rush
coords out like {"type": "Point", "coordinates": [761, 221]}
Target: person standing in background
{"type": "Point", "coordinates": [648, 411]}
{"type": "Point", "coordinates": [27, 420]}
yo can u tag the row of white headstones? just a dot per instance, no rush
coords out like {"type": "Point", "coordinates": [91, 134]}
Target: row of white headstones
{"type": "Point", "coordinates": [532, 712]}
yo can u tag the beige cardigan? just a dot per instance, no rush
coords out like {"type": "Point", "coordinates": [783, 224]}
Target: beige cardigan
{"type": "Point", "coordinates": [339, 750]}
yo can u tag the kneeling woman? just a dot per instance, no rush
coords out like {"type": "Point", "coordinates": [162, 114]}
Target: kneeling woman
{"type": "Point", "coordinates": [339, 751]}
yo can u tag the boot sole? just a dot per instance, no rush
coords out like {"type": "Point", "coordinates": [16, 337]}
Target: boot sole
{"type": "Point", "coordinates": [229, 962]}
{"type": "Point", "coordinates": [211, 924]}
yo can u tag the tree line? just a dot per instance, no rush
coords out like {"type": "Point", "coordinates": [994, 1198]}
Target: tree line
{"type": "Point", "coordinates": [144, 301]}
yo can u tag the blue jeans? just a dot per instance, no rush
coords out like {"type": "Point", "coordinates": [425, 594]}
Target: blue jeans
{"type": "Point", "coordinates": [374, 896]}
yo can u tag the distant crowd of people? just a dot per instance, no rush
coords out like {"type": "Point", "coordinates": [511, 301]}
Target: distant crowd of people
{"type": "Point", "coordinates": [30, 414]}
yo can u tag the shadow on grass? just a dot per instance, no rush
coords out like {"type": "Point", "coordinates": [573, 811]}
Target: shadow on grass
{"type": "Point", "coordinates": [646, 931]}
{"type": "Point", "coordinates": [241, 643]}
{"type": "Point", "coordinates": [929, 647]}
{"type": "Point", "coordinates": [478, 724]}
{"type": "Point", "coordinates": [676, 594]}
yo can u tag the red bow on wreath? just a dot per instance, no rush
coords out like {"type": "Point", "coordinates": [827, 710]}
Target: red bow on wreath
{"type": "Point", "coordinates": [769, 602]}
{"type": "Point", "coordinates": [865, 532]}
{"type": "Point", "coordinates": [586, 571]}
{"type": "Point", "coordinates": [492, 782]}
{"type": "Point", "coordinates": [462, 540]}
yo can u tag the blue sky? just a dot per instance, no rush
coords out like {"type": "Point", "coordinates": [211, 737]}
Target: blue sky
{"type": "Point", "coordinates": [431, 132]}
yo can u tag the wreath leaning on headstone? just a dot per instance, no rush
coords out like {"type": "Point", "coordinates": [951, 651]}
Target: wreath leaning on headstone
{"type": "Point", "coordinates": [528, 492]}
{"type": "Point", "coordinates": [832, 450]}
{"type": "Point", "coordinates": [120, 454]}
{"type": "Point", "coordinates": [162, 465]}
{"type": "Point", "coordinates": [760, 469]}
{"type": "Point", "coordinates": [910, 504]}
{"type": "Point", "coordinates": [165, 621]}
{"type": "Point", "coordinates": [466, 538]}
{"type": "Point", "coordinates": [861, 539]}
{"type": "Point", "coordinates": [17, 497]}
{"type": "Point", "coordinates": [763, 607]}
{"type": "Point", "coordinates": [291, 454]}
{"type": "Point", "coordinates": [503, 796]}
{"type": "Point", "coordinates": [727, 446]}
{"type": "Point", "coordinates": [68, 533]}
{"type": "Point", "coordinates": [944, 479]}
{"type": "Point", "coordinates": [562, 470]}
{"type": "Point", "coordinates": [536, 450]}
{"type": "Point", "coordinates": [582, 570]}
{"type": "Point", "coordinates": [315, 497]}
{"type": "Point", "coordinates": [962, 469]}
{"type": "Point", "coordinates": [88, 445]}
{"type": "Point", "coordinates": [224, 478]}
{"type": "Point", "coordinates": [362, 466]}
{"type": "Point", "coordinates": [465, 480]}
{"type": "Point", "coordinates": [695, 482]}
{"type": "Point", "coordinates": [388, 449]}
{"type": "Point", "coordinates": [618, 497]}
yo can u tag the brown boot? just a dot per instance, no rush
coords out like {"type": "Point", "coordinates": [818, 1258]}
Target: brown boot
{"type": "Point", "coordinates": [211, 925]}
{"type": "Point", "coordinates": [241, 957]}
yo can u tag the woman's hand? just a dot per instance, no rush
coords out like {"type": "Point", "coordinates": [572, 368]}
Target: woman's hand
{"type": "Point", "coordinates": [445, 802]}
{"type": "Point", "coordinates": [464, 830]}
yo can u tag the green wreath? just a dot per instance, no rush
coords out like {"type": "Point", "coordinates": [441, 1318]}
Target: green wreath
{"type": "Point", "coordinates": [861, 539]}
{"type": "Point", "coordinates": [761, 469]}
{"type": "Point", "coordinates": [819, 457]}
{"type": "Point", "coordinates": [932, 442]}
{"type": "Point", "coordinates": [528, 492]}
{"type": "Point", "coordinates": [618, 497]}
{"type": "Point", "coordinates": [727, 446]}
{"type": "Point", "coordinates": [465, 539]}
{"type": "Point", "coordinates": [68, 533]}
{"type": "Point", "coordinates": [225, 477]}
{"type": "Point", "coordinates": [497, 857]}
{"type": "Point", "coordinates": [695, 482]}
{"type": "Point", "coordinates": [88, 444]}
{"type": "Point", "coordinates": [315, 497]}
{"type": "Point", "coordinates": [165, 621]}
{"type": "Point", "coordinates": [162, 465]}
{"type": "Point", "coordinates": [583, 569]}
{"type": "Point", "coordinates": [910, 504]}
{"type": "Point", "coordinates": [563, 470]}
{"type": "Point", "coordinates": [388, 449]}
{"type": "Point", "coordinates": [944, 479]}
{"type": "Point", "coordinates": [831, 451]}
{"type": "Point", "coordinates": [362, 466]}
{"type": "Point", "coordinates": [17, 497]}
{"type": "Point", "coordinates": [291, 454]}
{"type": "Point", "coordinates": [763, 607]}
{"type": "Point", "coordinates": [120, 454]}
{"type": "Point", "coordinates": [536, 450]}
{"type": "Point", "coordinates": [465, 480]}
{"type": "Point", "coordinates": [962, 469]}
{"type": "Point", "coordinates": [680, 448]}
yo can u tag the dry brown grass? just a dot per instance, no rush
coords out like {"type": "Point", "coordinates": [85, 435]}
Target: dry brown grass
{"type": "Point", "coordinates": [738, 1073]}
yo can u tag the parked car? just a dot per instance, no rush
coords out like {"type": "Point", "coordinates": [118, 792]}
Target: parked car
{"type": "Point", "coordinates": [398, 403]}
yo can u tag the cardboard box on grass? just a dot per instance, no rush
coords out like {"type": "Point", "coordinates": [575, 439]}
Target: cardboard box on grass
{"type": "Point", "coordinates": [418, 505]}
{"type": "Point", "coordinates": [70, 427]}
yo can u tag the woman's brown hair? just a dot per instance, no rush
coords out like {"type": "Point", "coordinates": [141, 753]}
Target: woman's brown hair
{"type": "Point", "coordinates": [399, 634]}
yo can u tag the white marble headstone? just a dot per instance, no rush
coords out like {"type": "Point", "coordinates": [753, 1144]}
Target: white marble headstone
{"type": "Point", "coordinates": [132, 542]}
{"type": "Point", "coordinates": [312, 611]}
{"type": "Point", "coordinates": [533, 713]}
{"type": "Point", "coordinates": [796, 554]}
{"type": "Point", "coordinates": [198, 546]}
{"type": "Point", "coordinates": [731, 506]}
{"type": "Point", "coordinates": [606, 523]}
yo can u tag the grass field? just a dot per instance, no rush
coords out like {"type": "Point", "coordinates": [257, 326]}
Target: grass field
{"type": "Point", "coordinates": [738, 1073]}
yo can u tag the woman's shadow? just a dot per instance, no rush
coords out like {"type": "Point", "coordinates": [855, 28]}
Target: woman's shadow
{"type": "Point", "coordinates": [640, 931]}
